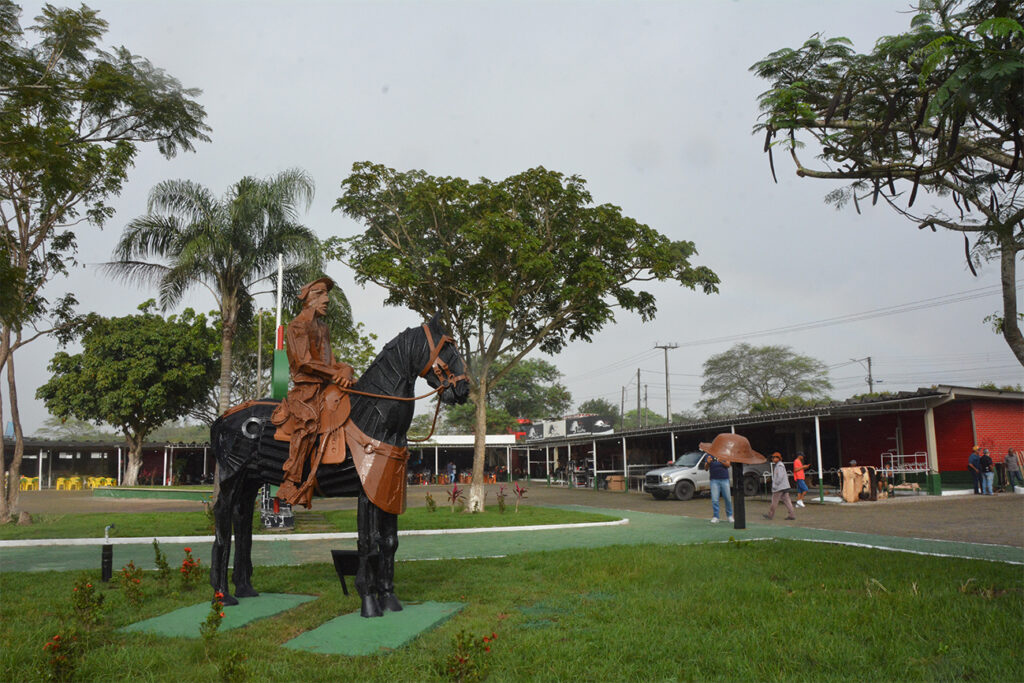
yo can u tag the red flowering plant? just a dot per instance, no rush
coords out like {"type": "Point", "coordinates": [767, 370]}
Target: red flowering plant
{"type": "Point", "coordinates": [63, 652]}
{"type": "Point", "coordinates": [130, 578]}
{"type": "Point", "coordinates": [467, 662]}
{"type": "Point", "coordinates": [431, 503]}
{"type": "Point", "coordinates": [86, 603]}
{"type": "Point", "coordinates": [208, 629]}
{"type": "Point", "coordinates": [456, 497]}
{"type": "Point", "coordinates": [191, 572]}
{"type": "Point", "coordinates": [520, 494]}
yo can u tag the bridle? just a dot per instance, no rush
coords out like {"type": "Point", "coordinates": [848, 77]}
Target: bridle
{"type": "Point", "coordinates": [441, 370]}
{"type": "Point", "coordinates": [444, 375]}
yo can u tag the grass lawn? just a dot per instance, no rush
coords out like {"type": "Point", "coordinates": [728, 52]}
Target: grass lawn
{"type": "Point", "coordinates": [762, 611]}
{"type": "Point", "coordinates": [147, 524]}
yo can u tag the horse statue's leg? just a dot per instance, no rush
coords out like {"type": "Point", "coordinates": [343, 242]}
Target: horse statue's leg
{"type": "Point", "coordinates": [368, 543]}
{"type": "Point", "coordinates": [388, 546]}
{"type": "Point", "coordinates": [222, 513]}
{"type": "Point", "coordinates": [242, 522]}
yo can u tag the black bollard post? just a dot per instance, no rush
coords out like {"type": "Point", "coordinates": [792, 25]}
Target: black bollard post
{"type": "Point", "coordinates": [738, 507]}
{"type": "Point", "coordinates": [107, 562]}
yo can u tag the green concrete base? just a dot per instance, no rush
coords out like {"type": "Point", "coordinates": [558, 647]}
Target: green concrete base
{"type": "Point", "coordinates": [159, 493]}
{"type": "Point", "coordinates": [934, 485]}
{"type": "Point", "coordinates": [354, 635]}
{"type": "Point", "coordinates": [184, 622]}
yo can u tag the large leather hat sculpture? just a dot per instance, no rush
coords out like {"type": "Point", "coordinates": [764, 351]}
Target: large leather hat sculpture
{"type": "Point", "coordinates": [733, 448]}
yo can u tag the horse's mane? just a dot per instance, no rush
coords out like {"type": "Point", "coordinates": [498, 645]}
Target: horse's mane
{"type": "Point", "coordinates": [392, 373]}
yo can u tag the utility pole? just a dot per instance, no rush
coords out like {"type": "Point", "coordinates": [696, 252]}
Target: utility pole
{"type": "Point", "coordinates": [647, 422]}
{"type": "Point", "coordinates": [870, 379]}
{"type": "Point", "coordinates": [622, 410]}
{"type": "Point", "coordinates": [668, 394]}
{"type": "Point", "coordinates": [638, 398]}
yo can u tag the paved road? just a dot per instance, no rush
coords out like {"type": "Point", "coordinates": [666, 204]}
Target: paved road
{"type": "Point", "coordinates": [995, 519]}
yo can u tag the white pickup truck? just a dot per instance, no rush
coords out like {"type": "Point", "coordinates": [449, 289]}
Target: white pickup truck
{"type": "Point", "coordinates": [686, 476]}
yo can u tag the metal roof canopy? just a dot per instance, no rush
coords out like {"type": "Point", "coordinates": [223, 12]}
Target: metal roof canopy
{"type": "Point", "coordinates": [904, 400]}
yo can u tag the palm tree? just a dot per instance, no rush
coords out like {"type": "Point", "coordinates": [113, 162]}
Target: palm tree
{"type": "Point", "coordinates": [230, 246]}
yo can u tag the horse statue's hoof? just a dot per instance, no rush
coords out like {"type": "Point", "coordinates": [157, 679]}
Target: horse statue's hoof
{"type": "Point", "coordinates": [389, 602]}
{"type": "Point", "coordinates": [228, 599]}
{"type": "Point", "coordinates": [245, 592]}
{"type": "Point", "coordinates": [370, 607]}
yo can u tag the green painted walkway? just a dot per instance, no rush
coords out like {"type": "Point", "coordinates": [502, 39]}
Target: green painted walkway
{"type": "Point", "coordinates": [642, 528]}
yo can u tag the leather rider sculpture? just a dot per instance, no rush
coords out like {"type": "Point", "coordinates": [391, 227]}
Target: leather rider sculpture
{"type": "Point", "coordinates": [316, 376]}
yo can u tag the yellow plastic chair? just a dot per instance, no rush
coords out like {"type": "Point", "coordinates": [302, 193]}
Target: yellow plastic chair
{"type": "Point", "coordinates": [29, 484]}
{"type": "Point", "coordinates": [110, 481]}
{"type": "Point", "coordinates": [62, 483]}
{"type": "Point", "coordinates": [74, 483]}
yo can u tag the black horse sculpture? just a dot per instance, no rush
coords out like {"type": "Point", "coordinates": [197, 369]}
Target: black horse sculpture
{"type": "Point", "coordinates": [382, 409]}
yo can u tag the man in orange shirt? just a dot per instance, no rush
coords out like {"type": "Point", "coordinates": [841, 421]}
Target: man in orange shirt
{"type": "Point", "coordinates": [800, 478]}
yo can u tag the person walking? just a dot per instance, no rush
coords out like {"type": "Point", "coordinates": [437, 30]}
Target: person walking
{"type": "Point", "coordinates": [719, 471]}
{"type": "Point", "coordinates": [800, 478]}
{"type": "Point", "coordinates": [780, 488]}
{"type": "Point", "coordinates": [974, 467]}
{"type": "Point", "coordinates": [1013, 468]}
{"type": "Point", "coordinates": [987, 472]}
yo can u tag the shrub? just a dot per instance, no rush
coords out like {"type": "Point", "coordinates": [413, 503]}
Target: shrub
{"type": "Point", "coordinates": [130, 578]}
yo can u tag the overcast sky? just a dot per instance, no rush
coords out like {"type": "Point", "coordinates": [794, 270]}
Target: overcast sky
{"type": "Point", "coordinates": [651, 102]}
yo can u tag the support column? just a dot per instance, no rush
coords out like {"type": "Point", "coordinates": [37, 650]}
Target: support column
{"type": "Point", "coordinates": [165, 466]}
{"type": "Point", "coordinates": [594, 445]}
{"type": "Point", "coordinates": [817, 440]}
{"type": "Point", "coordinates": [119, 471]}
{"type": "Point", "coordinates": [933, 482]}
{"type": "Point", "coordinates": [739, 507]}
{"type": "Point", "coordinates": [672, 446]}
{"type": "Point", "coordinates": [625, 464]}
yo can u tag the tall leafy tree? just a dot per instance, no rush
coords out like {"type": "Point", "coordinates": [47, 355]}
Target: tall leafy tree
{"type": "Point", "coordinates": [528, 262]}
{"type": "Point", "coordinates": [602, 407]}
{"type": "Point", "coordinates": [747, 378]}
{"type": "Point", "coordinates": [134, 373]}
{"type": "Point", "coordinates": [229, 245]}
{"type": "Point", "coordinates": [936, 111]}
{"type": "Point", "coordinates": [72, 117]}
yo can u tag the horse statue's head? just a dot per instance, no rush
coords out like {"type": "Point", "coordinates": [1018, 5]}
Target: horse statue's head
{"type": "Point", "coordinates": [444, 366]}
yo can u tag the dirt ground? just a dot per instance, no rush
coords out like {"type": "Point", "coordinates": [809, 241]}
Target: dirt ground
{"type": "Point", "coordinates": [997, 519]}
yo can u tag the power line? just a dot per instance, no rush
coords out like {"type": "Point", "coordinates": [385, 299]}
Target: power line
{"type": "Point", "coordinates": [931, 302]}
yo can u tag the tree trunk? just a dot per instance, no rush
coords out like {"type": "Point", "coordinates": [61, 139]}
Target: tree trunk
{"type": "Point", "coordinates": [131, 470]}
{"type": "Point", "coordinates": [12, 492]}
{"type": "Point", "coordinates": [1008, 275]}
{"type": "Point", "coordinates": [229, 319]}
{"type": "Point", "coordinates": [226, 340]}
{"type": "Point", "coordinates": [476, 488]}
{"type": "Point", "coordinates": [5, 512]}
